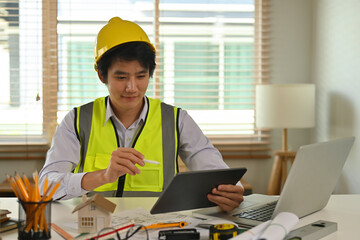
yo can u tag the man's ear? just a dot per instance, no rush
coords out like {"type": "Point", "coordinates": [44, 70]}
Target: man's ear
{"type": "Point", "coordinates": [101, 76]}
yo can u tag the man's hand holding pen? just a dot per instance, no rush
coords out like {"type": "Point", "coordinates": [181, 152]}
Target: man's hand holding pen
{"type": "Point", "coordinates": [123, 161]}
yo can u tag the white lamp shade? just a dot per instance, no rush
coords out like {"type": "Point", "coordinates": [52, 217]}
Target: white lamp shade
{"type": "Point", "coordinates": [285, 106]}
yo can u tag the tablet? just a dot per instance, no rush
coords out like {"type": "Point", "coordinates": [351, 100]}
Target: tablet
{"type": "Point", "coordinates": [188, 190]}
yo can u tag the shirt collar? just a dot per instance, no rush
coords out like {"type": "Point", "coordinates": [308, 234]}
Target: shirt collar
{"type": "Point", "coordinates": [110, 113]}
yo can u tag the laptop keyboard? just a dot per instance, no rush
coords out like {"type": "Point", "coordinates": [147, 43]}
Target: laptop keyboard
{"type": "Point", "coordinates": [262, 213]}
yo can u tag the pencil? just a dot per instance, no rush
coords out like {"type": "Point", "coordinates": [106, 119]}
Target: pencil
{"type": "Point", "coordinates": [166, 225]}
{"type": "Point", "coordinates": [34, 205]}
{"type": "Point", "coordinates": [151, 161]}
{"type": "Point", "coordinates": [43, 198]}
{"type": "Point", "coordinates": [12, 184]}
{"type": "Point", "coordinates": [61, 232]}
{"type": "Point", "coordinates": [22, 188]}
{"type": "Point", "coordinates": [118, 229]}
{"type": "Point", "coordinates": [41, 206]}
{"type": "Point", "coordinates": [37, 190]}
{"type": "Point", "coordinates": [27, 183]}
{"type": "Point", "coordinates": [53, 191]}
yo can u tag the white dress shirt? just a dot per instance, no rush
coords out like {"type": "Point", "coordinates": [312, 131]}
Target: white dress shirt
{"type": "Point", "coordinates": [195, 150]}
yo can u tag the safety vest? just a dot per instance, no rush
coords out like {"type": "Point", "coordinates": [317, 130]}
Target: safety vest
{"type": "Point", "coordinates": [157, 140]}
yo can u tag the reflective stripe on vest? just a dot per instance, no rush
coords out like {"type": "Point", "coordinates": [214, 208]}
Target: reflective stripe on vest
{"type": "Point", "coordinates": [98, 140]}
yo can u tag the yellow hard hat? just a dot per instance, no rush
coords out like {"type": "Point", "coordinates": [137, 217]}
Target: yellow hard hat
{"type": "Point", "coordinates": [116, 32]}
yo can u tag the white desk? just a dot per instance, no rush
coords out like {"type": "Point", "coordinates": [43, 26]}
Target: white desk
{"type": "Point", "coordinates": [343, 209]}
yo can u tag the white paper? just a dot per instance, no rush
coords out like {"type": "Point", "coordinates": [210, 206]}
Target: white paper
{"type": "Point", "coordinates": [280, 226]}
{"type": "Point", "coordinates": [143, 217]}
{"type": "Point", "coordinates": [252, 233]}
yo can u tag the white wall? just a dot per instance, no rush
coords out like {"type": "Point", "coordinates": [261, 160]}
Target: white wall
{"type": "Point", "coordinates": [317, 41]}
{"type": "Point", "coordinates": [336, 72]}
{"type": "Point", "coordinates": [291, 41]}
{"type": "Point", "coordinates": [290, 63]}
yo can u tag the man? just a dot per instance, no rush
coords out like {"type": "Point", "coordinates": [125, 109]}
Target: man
{"type": "Point", "coordinates": [101, 146]}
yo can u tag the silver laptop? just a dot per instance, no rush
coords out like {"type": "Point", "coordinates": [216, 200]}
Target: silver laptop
{"type": "Point", "coordinates": [309, 185]}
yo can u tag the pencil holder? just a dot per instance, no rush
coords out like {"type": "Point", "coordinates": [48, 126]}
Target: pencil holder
{"type": "Point", "coordinates": [34, 220]}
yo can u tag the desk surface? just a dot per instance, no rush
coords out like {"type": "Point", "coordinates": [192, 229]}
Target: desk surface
{"type": "Point", "coordinates": [343, 209]}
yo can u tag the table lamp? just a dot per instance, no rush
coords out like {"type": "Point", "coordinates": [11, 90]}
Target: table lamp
{"type": "Point", "coordinates": [284, 106]}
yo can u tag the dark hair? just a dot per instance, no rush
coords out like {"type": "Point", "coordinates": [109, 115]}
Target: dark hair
{"type": "Point", "coordinates": [130, 51]}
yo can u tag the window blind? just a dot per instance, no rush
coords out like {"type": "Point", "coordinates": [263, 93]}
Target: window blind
{"type": "Point", "coordinates": [22, 134]}
{"type": "Point", "coordinates": [210, 56]}
{"type": "Point", "coordinates": [21, 64]}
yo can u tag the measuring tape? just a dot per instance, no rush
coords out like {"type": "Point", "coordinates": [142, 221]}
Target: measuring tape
{"type": "Point", "coordinates": [223, 231]}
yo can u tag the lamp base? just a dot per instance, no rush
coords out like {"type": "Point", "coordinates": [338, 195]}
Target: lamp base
{"type": "Point", "coordinates": [279, 171]}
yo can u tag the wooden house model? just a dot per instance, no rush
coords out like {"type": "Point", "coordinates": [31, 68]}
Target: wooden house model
{"type": "Point", "coordinates": [94, 213]}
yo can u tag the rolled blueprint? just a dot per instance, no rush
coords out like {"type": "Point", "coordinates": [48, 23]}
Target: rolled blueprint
{"type": "Point", "coordinates": [252, 233]}
{"type": "Point", "coordinates": [279, 227]}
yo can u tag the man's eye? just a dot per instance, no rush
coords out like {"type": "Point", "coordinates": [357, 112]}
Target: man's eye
{"type": "Point", "coordinates": [141, 76]}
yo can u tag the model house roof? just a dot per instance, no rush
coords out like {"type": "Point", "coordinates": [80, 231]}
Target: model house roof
{"type": "Point", "coordinates": [99, 201]}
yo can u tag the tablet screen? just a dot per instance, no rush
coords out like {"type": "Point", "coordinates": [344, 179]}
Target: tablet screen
{"type": "Point", "coordinates": [188, 190]}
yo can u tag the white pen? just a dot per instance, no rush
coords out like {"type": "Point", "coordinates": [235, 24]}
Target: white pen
{"type": "Point", "coordinates": [151, 161]}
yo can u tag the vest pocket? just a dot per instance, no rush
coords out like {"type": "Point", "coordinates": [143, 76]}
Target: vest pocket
{"type": "Point", "coordinates": [150, 179]}
{"type": "Point", "coordinates": [101, 161]}
{"type": "Point", "coordinates": [97, 162]}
